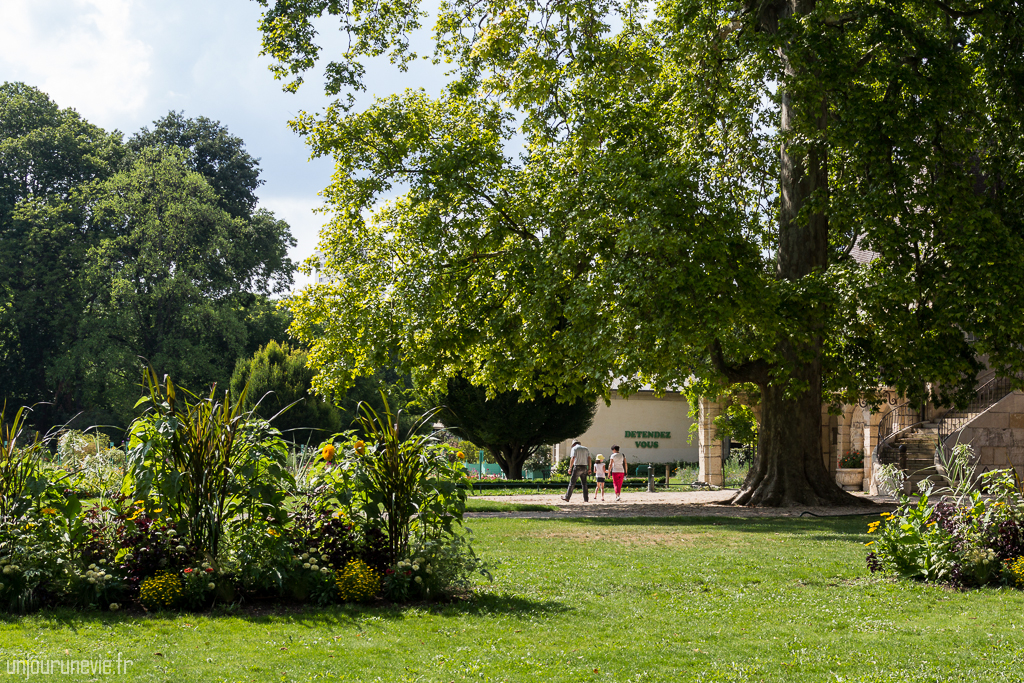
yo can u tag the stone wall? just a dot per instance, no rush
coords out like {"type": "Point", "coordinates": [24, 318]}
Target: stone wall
{"type": "Point", "coordinates": [997, 436]}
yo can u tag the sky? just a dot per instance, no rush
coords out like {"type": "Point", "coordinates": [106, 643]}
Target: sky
{"type": "Point", "coordinates": [124, 63]}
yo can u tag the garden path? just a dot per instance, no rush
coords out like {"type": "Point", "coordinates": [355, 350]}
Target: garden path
{"type": "Point", "coordinates": [668, 504]}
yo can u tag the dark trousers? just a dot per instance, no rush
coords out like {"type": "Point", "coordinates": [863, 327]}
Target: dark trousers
{"type": "Point", "coordinates": [578, 473]}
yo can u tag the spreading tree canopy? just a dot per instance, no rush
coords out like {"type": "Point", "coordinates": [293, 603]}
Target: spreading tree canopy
{"type": "Point", "coordinates": [510, 428]}
{"type": "Point", "coordinates": [671, 192]}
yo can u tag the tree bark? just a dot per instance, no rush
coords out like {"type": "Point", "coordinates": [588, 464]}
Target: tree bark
{"type": "Point", "coordinates": [511, 458]}
{"type": "Point", "coordinates": [789, 469]}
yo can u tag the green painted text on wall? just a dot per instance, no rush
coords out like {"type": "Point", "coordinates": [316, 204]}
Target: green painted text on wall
{"type": "Point", "coordinates": [632, 434]}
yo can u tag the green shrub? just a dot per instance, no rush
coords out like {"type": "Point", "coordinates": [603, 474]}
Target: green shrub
{"type": "Point", "coordinates": [852, 459]}
{"type": "Point", "coordinates": [405, 487]}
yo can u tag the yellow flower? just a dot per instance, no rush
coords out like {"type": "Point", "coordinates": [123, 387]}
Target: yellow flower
{"type": "Point", "coordinates": [460, 455]}
{"type": "Point", "coordinates": [49, 511]}
{"type": "Point", "coordinates": [870, 543]}
{"type": "Point", "coordinates": [158, 510]}
{"type": "Point", "coordinates": [360, 447]}
{"type": "Point", "coordinates": [273, 532]}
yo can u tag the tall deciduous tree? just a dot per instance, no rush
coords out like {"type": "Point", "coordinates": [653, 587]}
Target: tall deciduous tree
{"type": "Point", "coordinates": [693, 179]}
{"type": "Point", "coordinates": [510, 428]}
{"type": "Point", "coordinates": [168, 284]}
{"type": "Point", "coordinates": [51, 161]}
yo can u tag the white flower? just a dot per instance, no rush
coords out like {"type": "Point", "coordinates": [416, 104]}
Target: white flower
{"type": "Point", "coordinates": [92, 580]}
{"type": "Point", "coordinates": [211, 585]}
{"type": "Point", "coordinates": [171, 532]}
{"type": "Point", "coordinates": [8, 569]}
{"type": "Point", "coordinates": [419, 579]}
{"type": "Point", "coordinates": [103, 561]}
{"type": "Point", "coordinates": [314, 567]}
{"type": "Point", "coordinates": [325, 570]}
{"type": "Point", "coordinates": [429, 570]}
{"type": "Point", "coordinates": [305, 556]}
{"type": "Point", "coordinates": [180, 548]}
{"type": "Point", "coordinates": [1, 586]}
{"type": "Point", "coordinates": [305, 565]}
{"type": "Point", "coordinates": [92, 566]}
{"type": "Point", "coordinates": [415, 567]}
{"type": "Point", "coordinates": [114, 607]}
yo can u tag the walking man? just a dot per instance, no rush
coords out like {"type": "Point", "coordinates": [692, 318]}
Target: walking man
{"type": "Point", "coordinates": [579, 466]}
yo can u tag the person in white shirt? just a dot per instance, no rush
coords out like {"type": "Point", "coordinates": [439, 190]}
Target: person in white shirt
{"type": "Point", "coordinates": [618, 468]}
{"type": "Point", "coordinates": [599, 471]}
{"type": "Point", "coordinates": [579, 466]}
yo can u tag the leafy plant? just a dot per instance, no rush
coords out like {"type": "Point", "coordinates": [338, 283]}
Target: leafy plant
{"type": "Point", "coordinates": [405, 486]}
{"type": "Point", "coordinates": [965, 539]}
{"type": "Point", "coordinates": [203, 462]}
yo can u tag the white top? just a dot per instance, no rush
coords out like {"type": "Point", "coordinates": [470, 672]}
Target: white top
{"type": "Point", "coordinates": [599, 469]}
{"type": "Point", "coordinates": [618, 462]}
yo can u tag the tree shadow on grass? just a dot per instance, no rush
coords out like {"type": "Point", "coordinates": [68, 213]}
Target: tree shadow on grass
{"type": "Point", "coordinates": [814, 528]}
{"type": "Point", "coordinates": [482, 604]}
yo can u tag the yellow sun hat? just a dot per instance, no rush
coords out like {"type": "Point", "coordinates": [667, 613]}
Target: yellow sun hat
{"type": "Point", "coordinates": [600, 457]}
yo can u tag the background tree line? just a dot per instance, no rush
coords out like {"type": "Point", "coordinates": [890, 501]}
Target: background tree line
{"type": "Point", "coordinates": [116, 251]}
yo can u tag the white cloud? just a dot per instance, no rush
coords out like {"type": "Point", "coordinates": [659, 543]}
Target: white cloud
{"type": "Point", "coordinates": [83, 53]}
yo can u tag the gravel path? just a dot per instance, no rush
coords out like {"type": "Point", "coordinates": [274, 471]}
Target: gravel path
{"type": "Point", "coordinates": [668, 504]}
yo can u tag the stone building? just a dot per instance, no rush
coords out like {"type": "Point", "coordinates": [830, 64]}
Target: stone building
{"type": "Point", "coordinates": [652, 429]}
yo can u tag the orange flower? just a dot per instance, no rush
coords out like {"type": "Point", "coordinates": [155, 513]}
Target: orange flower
{"type": "Point", "coordinates": [360, 447]}
{"type": "Point", "coordinates": [329, 453]}
{"type": "Point", "coordinates": [460, 455]}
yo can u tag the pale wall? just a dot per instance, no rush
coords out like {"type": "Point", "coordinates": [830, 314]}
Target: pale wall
{"type": "Point", "coordinates": [640, 412]}
{"type": "Point", "coordinates": [997, 436]}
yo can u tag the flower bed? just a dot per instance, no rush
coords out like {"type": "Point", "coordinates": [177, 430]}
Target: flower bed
{"type": "Point", "coordinates": [201, 517]}
{"type": "Point", "coordinates": [966, 534]}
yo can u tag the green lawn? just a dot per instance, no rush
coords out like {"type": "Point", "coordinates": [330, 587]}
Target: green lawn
{"type": "Point", "coordinates": [477, 505]}
{"type": "Point", "coordinates": [669, 599]}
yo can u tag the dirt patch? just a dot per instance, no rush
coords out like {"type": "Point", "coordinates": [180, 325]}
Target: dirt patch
{"type": "Point", "coordinates": [620, 536]}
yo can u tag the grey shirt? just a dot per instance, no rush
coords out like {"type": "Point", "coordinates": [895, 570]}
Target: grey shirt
{"type": "Point", "coordinates": [581, 455]}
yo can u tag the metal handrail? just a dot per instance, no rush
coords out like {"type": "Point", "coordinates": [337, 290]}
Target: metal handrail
{"type": "Point", "coordinates": [898, 419]}
{"type": "Point", "coordinates": [989, 394]}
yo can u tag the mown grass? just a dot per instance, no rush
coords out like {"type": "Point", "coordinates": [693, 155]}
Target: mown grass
{"type": "Point", "coordinates": [670, 599]}
{"type": "Point", "coordinates": [477, 505]}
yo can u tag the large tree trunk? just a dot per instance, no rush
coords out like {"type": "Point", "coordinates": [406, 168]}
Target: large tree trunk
{"type": "Point", "coordinates": [788, 469]}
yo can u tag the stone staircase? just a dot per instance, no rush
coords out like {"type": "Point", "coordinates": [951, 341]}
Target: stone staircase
{"type": "Point", "coordinates": [919, 464]}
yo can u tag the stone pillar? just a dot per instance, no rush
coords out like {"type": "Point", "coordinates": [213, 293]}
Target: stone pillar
{"type": "Point", "coordinates": [710, 458]}
{"type": "Point", "coordinates": [871, 421]}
